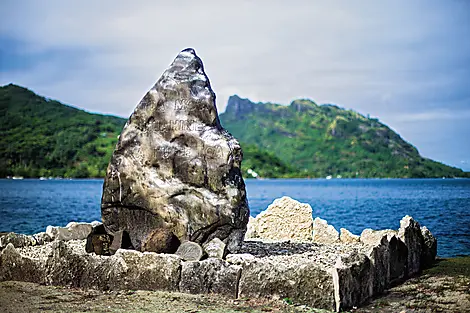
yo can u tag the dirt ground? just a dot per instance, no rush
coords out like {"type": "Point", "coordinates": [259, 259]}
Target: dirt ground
{"type": "Point", "coordinates": [443, 288]}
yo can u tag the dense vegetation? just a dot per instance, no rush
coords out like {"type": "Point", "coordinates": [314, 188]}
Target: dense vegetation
{"type": "Point", "coordinates": [321, 140]}
{"type": "Point", "coordinates": [43, 137]}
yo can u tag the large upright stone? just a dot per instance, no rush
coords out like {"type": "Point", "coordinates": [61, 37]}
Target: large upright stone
{"type": "Point", "coordinates": [175, 167]}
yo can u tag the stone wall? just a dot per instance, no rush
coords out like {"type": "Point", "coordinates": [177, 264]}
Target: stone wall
{"type": "Point", "coordinates": [332, 276]}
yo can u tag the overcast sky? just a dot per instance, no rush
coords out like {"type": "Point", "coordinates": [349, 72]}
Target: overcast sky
{"type": "Point", "coordinates": [405, 62]}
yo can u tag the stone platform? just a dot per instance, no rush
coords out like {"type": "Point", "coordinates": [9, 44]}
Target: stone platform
{"type": "Point", "coordinates": [333, 276]}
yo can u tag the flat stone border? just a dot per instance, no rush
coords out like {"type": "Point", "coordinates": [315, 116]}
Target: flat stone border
{"type": "Point", "coordinates": [333, 276]}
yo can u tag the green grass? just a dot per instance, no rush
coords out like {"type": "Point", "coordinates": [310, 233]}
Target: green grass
{"type": "Point", "coordinates": [454, 267]}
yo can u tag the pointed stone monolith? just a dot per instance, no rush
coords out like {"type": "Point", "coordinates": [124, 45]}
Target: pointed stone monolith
{"type": "Point", "coordinates": [175, 167]}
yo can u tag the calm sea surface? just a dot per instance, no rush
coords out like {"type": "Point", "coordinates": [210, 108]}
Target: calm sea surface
{"type": "Point", "coordinates": [28, 206]}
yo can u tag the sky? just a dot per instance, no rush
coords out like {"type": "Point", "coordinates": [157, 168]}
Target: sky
{"type": "Point", "coordinates": [405, 62]}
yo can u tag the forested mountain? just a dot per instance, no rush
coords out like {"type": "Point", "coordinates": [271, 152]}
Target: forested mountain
{"type": "Point", "coordinates": [321, 140]}
{"type": "Point", "coordinates": [43, 137]}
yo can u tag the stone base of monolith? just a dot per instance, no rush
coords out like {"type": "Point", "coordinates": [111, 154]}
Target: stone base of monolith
{"type": "Point", "coordinates": [333, 276]}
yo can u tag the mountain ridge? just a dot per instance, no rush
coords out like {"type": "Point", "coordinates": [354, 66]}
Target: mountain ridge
{"type": "Point", "coordinates": [327, 140]}
{"type": "Point", "coordinates": [44, 137]}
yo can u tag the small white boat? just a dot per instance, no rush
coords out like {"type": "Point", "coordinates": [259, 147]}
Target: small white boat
{"type": "Point", "coordinates": [329, 177]}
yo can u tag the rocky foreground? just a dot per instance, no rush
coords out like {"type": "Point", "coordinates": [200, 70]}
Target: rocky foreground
{"type": "Point", "coordinates": [443, 288]}
{"type": "Point", "coordinates": [333, 276]}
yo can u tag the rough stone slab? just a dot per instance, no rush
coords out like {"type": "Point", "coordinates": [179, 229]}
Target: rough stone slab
{"type": "Point", "coordinates": [428, 256]}
{"type": "Point", "coordinates": [300, 280]}
{"type": "Point", "coordinates": [210, 276]}
{"type": "Point", "coordinates": [300, 271]}
{"type": "Point", "coordinates": [17, 240]}
{"type": "Point", "coordinates": [324, 233]}
{"type": "Point", "coordinates": [149, 270]}
{"type": "Point", "coordinates": [410, 233]}
{"type": "Point", "coordinates": [353, 281]}
{"type": "Point", "coordinates": [73, 231]}
{"type": "Point", "coordinates": [347, 237]}
{"type": "Point", "coordinates": [284, 219]}
{"type": "Point", "coordinates": [379, 256]}
{"type": "Point", "coordinates": [388, 255]}
{"type": "Point", "coordinates": [66, 264]}
{"type": "Point", "coordinates": [14, 266]}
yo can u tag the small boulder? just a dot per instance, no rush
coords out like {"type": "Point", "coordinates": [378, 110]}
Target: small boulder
{"type": "Point", "coordinates": [284, 219]}
{"type": "Point", "coordinates": [98, 241]}
{"type": "Point", "coordinates": [215, 248]}
{"type": "Point", "coordinates": [42, 238]}
{"type": "Point", "coordinates": [347, 237]}
{"type": "Point", "coordinates": [190, 251]}
{"type": "Point", "coordinates": [132, 269]}
{"type": "Point", "coordinates": [324, 233]}
{"type": "Point", "coordinates": [17, 240]}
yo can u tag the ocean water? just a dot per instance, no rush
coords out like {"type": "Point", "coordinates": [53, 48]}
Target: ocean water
{"type": "Point", "coordinates": [443, 205]}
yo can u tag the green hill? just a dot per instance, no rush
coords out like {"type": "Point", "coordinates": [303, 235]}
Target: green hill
{"type": "Point", "coordinates": [321, 140]}
{"type": "Point", "coordinates": [43, 137]}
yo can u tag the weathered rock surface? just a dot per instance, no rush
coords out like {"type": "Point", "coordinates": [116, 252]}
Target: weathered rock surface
{"type": "Point", "coordinates": [73, 231]}
{"type": "Point", "coordinates": [429, 252]}
{"type": "Point", "coordinates": [324, 233]}
{"type": "Point", "coordinates": [210, 276]}
{"type": "Point", "coordinates": [160, 240]}
{"type": "Point", "coordinates": [410, 233]}
{"type": "Point", "coordinates": [333, 276]}
{"type": "Point", "coordinates": [215, 248]}
{"type": "Point", "coordinates": [352, 280]}
{"type": "Point", "coordinates": [175, 167]}
{"type": "Point", "coordinates": [14, 266]}
{"type": "Point", "coordinates": [190, 251]}
{"type": "Point", "coordinates": [98, 241]}
{"type": "Point", "coordinates": [284, 219]}
{"type": "Point", "coordinates": [17, 240]}
{"type": "Point", "coordinates": [347, 237]}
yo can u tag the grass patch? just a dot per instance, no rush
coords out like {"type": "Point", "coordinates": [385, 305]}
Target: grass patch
{"type": "Point", "coordinates": [458, 266]}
